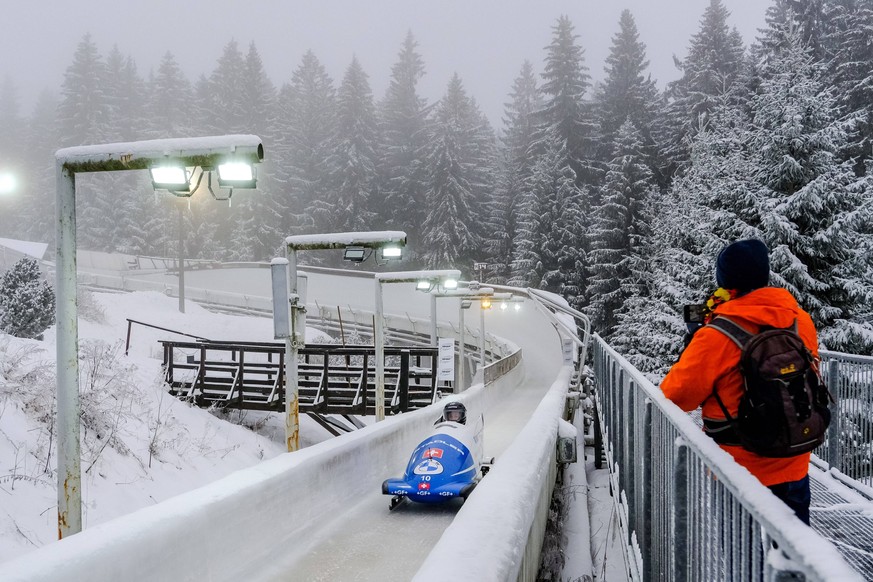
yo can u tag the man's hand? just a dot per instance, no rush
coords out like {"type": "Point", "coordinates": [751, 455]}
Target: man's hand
{"type": "Point", "coordinates": [692, 329]}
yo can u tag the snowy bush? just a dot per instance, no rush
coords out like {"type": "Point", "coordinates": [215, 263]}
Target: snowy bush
{"type": "Point", "coordinates": [27, 303]}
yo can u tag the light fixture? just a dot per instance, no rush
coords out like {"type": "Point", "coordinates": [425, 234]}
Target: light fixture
{"type": "Point", "coordinates": [503, 306]}
{"type": "Point", "coordinates": [355, 254]}
{"type": "Point", "coordinates": [518, 306]}
{"type": "Point", "coordinates": [391, 253]}
{"type": "Point", "coordinates": [486, 303]}
{"type": "Point", "coordinates": [450, 283]}
{"type": "Point", "coordinates": [424, 285]}
{"type": "Point", "coordinates": [7, 183]}
{"type": "Point", "coordinates": [466, 303]}
{"type": "Point", "coordinates": [236, 175]}
{"type": "Point", "coordinates": [176, 179]}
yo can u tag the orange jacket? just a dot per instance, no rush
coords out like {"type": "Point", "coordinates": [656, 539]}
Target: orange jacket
{"type": "Point", "coordinates": [711, 360]}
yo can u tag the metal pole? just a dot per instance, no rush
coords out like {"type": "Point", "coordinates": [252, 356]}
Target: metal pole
{"type": "Point", "coordinates": [481, 336]}
{"type": "Point", "coordinates": [379, 343]}
{"type": "Point", "coordinates": [181, 259]}
{"type": "Point", "coordinates": [292, 404]}
{"type": "Point", "coordinates": [433, 320]}
{"type": "Point", "coordinates": [69, 453]}
{"type": "Point", "coordinates": [461, 347]}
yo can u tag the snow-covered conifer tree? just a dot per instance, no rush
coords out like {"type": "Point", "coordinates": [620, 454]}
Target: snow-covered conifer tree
{"type": "Point", "coordinates": [815, 214]}
{"type": "Point", "coordinates": [627, 93]}
{"type": "Point", "coordinates": [305, 130]}
{"type": "Point", "coordinates": [346, 206]}
{"type": "Point", "coordinates": [617, 230]}
{"type": "Point", "coordinates": [27, 302]}
{"type": "Point", "coordinates": [714, 61]}
{"type": "Point", "coordinates": [403, 128]}
{"type": "Point", "coordinates": [517, 161]}
{"type": "Point", "coordinates": [450, 237]}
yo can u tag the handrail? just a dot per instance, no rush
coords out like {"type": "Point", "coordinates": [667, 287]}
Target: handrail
{"type": "Point", "coordinates": [692, 512]}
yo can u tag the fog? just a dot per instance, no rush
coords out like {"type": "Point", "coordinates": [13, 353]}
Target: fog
{"type": "Point", "coordinates": [484, 41]}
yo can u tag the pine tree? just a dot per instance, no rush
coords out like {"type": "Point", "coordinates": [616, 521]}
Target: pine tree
{"type": "Point", "coordinates": [565, 112]}
{"type": "Point", "coordinates": [403, 127]}
{"type": "Point", "coordinates": [450, 235]}
{"type": "Point", "coordinates": [347, 206]}
{"type": "Point", "coordinates": [547, 247]}
{"type": "Point", "coordinates": [305, 129]}
{"type": "Point", "coordinates": [27, 302]}
{"type": "Point", "coordinates": [41, 142]}
{"type": "Point", "coordinates": [618, 229]}
{"type": "Point", "coordinates": [517, 161]}
{"type": "Point", "coordinates": [813, 211]}
{"type": "Point", "coordinates": [257, 213]}
{"type": "Point", "coordinates": [627, 93]}
{"type": "Point", "coordinates": [713, 65]}
{"type": "Point", "coordinates": [82, 113]}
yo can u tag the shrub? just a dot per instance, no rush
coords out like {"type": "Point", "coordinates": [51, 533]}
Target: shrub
{"type": "Point", "coordinates": [27, 302]}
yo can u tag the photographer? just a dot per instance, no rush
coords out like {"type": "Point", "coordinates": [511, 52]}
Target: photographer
{"type": "Point", "coordinates": [708, 372]}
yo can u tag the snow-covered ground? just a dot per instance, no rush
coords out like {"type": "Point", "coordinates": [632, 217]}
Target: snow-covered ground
{"type": "Point", "coordinates": [140, 445]}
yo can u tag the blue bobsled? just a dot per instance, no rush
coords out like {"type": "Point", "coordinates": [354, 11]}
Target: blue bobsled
{"type": "Point", "coordinates": [445, 465]}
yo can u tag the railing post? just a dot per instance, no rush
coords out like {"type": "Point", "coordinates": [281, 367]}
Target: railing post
{"type": "Point", "coordinates": [680, 511]}
{"type": "Point", "coordinates": [644, 529]}
{"type": "Point", "coordinates": [835, 429]}
{"type": "Point", "coordinates": [404, 380]}
{"type": "Point", "coordinates": [127, 343]}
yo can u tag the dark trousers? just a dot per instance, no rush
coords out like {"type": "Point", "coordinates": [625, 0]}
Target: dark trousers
{"type": "Point", "coordinates": [796, 495]}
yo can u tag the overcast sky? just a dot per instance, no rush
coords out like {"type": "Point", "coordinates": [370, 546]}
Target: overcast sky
{"type": "Point", "coordinates": [484, 41]}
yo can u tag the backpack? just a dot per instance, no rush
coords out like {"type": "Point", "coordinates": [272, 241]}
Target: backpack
{"type": "Point", "coordinates": [784, 408]}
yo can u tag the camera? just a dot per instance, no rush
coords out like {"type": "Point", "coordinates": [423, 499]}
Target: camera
{"type": "Point", "coordinates": [694, 313]}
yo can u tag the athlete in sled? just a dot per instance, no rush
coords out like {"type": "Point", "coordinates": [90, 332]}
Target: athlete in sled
{"type": "Point", "coordinates": [446, 464]}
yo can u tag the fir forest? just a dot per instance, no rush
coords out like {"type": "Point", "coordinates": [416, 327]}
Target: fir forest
{"type": "Point", "coordinates": [616, 194]}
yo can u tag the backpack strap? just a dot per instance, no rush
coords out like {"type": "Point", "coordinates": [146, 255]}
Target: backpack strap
{"type": "Point", "coordinates": [734, 331]}
{"type": "Point", "coordinates": [737, 334]}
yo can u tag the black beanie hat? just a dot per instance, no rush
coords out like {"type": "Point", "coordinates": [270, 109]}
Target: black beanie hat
{"type": "Point", "coordinates": [743, 265]}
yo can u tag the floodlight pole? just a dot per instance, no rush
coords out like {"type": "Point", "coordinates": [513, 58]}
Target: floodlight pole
{"type": "Point", "coordinates": [204, 152]}
{"type": "Point", "coordinates": [292, 343]}
{"type": "Point", "coordinates": [481, 336]}
{"type": "Point", "coordinates": [462, 347]}
{"type": "Point", "coordinates": [433, 321]}
{"type": "Point", "coordinates": [181, 258]}
{"type": "Point", "coordinates": [69, 452]}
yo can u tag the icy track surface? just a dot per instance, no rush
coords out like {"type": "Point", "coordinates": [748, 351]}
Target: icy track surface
{"type": "Point", "coordinates": [366, 541]}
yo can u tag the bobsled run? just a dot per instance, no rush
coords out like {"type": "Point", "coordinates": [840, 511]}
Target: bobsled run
{"type": "Point", "coordinates": [445, 465]}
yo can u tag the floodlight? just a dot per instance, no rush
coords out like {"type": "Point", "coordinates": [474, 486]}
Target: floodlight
{"type": "Point", "coordinates": [172, 178]}
{"type": "Point", "coordinates": [503, 306]}
{"type": "Point", "coordinates": [236, 175]}
{"type": "Point", "coordinates": [486, 303]}
{"type": "Point", "coordinates": [391, 253]}
{"type": "Point", "coordinates": [355, 254]}
{"type": "Point", "coordinates": [450, 283]}
{"type": "Point", "coordinates": [7, 183]}
{"type": "Point", "coordinates": [466, 303]}
{"type": "Point", "coordinates": [518, 306]}
{"type": "Point", "coordinates": [424, 285]}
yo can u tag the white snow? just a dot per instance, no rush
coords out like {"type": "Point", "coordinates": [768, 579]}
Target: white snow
{"type": "Point", "coordinates": [344, 239]}
{"type": "Point", "coordinates": [33, 249]}
{"type": "Point", "coordinates": [126, 428]}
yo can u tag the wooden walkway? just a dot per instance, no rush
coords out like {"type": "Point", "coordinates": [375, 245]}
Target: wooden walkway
{"type": "Point", "coordinates": [331, 379]}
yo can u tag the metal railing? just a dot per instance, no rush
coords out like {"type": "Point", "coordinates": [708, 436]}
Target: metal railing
{"type": "Point", "coordinates": [686, 509]}
{"type": "Point", "coordinates": [849, 444]}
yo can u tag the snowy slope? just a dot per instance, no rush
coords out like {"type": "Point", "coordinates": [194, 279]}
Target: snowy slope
{"type": "Point", "coordinates": [139, 445]}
